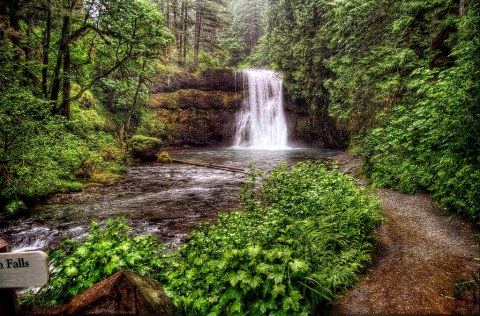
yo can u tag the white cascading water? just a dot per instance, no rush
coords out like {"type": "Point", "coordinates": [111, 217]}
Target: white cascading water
{"type": "Point", "coordinates": [261, 123]}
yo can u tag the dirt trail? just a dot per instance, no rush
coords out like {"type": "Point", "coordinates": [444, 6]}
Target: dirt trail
{"type": "Point", "coordinates": [420, 252]}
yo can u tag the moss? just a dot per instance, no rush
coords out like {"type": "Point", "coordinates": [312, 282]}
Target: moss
{"type": "Point", "coordinates": [144, 147]}
{"type": "Point", "coordinates": [164, 157]}
{"type": "Point", "coordinates": [87, 100]}
{"type": "Point", "coordinates": [163, 100]}
{"type": "Point", "coordinates": [151, 125]}
{"type": "Point", "coordinates": [73, 186]}
{"type": "Point", "coordinates": [191, 98]}
{"type": "Point", "coordinates": [102, 177]}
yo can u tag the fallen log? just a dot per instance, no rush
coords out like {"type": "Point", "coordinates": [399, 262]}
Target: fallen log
{"type": "Point", "coordinates": [210, 165]}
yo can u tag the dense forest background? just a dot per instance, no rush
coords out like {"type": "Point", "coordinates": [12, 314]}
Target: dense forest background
{"type": "Point", "coordinates": [400, 76]}
{"type": "Point", "coordinates": [399, 79]}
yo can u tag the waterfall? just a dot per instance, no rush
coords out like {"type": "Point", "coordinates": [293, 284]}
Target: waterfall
{"type": "Point", "coordinates": [261, 122]}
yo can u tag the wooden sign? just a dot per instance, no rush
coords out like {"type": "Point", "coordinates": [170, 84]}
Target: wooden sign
{"type": "Point", "coordinates": [23, 269]}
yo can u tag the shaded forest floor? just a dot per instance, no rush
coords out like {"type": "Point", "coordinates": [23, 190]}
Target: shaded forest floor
{"type": "Point", "coordinates": [420, 253]}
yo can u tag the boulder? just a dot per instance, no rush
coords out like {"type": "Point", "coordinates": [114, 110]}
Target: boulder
{"type": "Point", "coordinates": [123, 293]}
{"type": "Point", "coordinates": [143, 147]}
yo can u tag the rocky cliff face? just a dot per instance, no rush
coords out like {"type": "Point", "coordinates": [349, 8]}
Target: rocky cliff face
{"type": "Point", "coordinates": [200, 109]}
{"type": "Point", "coordinates": [313, 128]}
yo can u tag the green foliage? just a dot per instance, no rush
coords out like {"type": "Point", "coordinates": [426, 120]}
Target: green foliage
{"type": "Point", "coordinates": [302, 237]}
{"type": "Point", "coordinates": [207, 61]}
{"type": "Point", "coordinates": [80, 264]}
{"type": "Point", "coordinates": [37, 154]}
{"type": "Point", "coordinates": [150, 125]}
{"type": "Point", "coordinates": [401, 76]}
{"type": "Point", "coordinates": [14, 206]}
{"type": "Point", "coordinates": [69, 81]}
{"type": "Point", "coordinates": [430, 141]}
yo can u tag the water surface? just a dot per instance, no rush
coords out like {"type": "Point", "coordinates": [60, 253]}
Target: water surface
{"type": "Point", "coordinates": [166, 200]}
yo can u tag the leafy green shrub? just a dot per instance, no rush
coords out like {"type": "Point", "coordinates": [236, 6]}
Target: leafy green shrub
{"type": "Point", "coordinates": [303, 236]}
{"type": "Point", "coordinates": [43, 163]}
{"type": "Point", "coordinates": [206, 60]}
{"type": "Point", "coordinates": [14, 206]}
{"type": "Point", "coordinates": [150, 125]}
{"type": "Point", "coordinates": [430, 141]}
{"type": "Point", "coordinates": [80, 264]}
{"type": "Point", "coordinates": [41, 154]}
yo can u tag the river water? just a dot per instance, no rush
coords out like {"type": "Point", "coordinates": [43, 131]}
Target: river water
{"type": "Point", "coordinates": [166, 200]}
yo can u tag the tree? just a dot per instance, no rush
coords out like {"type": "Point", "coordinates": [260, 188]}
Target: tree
{"type": "Point", "coordinates": [51, 53]}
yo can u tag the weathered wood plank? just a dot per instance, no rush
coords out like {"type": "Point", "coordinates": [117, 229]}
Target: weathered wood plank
{"type": "Point", "coordinates": [3, 246]}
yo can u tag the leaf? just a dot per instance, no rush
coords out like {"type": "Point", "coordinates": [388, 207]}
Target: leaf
{"type": "Point", "coordinates": [298, 266]}
{"type": "Point", "coordinates": [278, 289]}
{"type": "Point", "coordinates": [71, 271]}
{"type": "Point", "coordinates": [236, 307]}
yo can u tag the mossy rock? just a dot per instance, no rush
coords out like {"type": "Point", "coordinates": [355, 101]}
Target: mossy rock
{"type": "Point", "coordinates": [143, 147]}
{"type": "Point", "coordinates": [164, 157]}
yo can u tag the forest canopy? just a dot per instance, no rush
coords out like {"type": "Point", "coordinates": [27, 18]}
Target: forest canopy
{"type": "Point", "coordinates": [400, 76]}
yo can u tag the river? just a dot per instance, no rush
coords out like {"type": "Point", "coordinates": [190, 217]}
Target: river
{"type": "Point", "coordinates": [165, 200]}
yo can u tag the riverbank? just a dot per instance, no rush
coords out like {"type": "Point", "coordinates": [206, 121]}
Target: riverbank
{"type": "Point", "coordinates": [420, 253]}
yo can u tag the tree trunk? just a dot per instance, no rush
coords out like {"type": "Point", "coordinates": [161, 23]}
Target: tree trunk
{"type": "Point", "coordinates": [198, 31]}
{"type": "Point", "coordinates": [65, 107]}
{"type": "Point", "coordinates": [141, 80]}
{"type": "Point", "coordinates": [462, 7]}
{"type": "Point", "coordinates": [167, 14]}
{"type": "Point", "coordinates": [175, 22]}
{"type": "Point", "coordinates": [58, 66]}
{"type": "Point", "coordinates": [63, 55]}
{"type": "Point", "coordinates": [46, 49]}
{"type": "Point", "coordinates": [185, 32]}
{"type": "Point", "coordinates": [13, 8]}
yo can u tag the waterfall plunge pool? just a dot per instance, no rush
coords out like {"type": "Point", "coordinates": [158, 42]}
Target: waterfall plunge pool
{"type": "Point", "coordinates": [165, 200]}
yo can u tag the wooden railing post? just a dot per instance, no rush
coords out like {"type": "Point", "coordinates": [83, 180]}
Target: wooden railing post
{"type": "Point", "coordinates": [8, 297]}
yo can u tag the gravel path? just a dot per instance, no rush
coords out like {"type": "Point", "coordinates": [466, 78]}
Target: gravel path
{"type": "Point", "coordinates": [420, 253]}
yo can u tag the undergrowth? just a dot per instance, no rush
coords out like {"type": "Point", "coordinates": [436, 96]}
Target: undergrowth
{"type": "Point", "coordinates": [77, 265]}
{"type": "Point", "coordinates": [301, 237]}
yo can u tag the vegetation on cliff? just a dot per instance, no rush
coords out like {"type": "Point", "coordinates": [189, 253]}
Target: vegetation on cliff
{"type": "Point", "coordinates": [400, 76]}
{"type": "Point", "coordinates": [72, 83]}
{"type": "Point", "coordinates": [75, 76]}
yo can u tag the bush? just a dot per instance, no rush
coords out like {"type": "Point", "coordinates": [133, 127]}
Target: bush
{"type": "Point", "coordinates": [80, 264]}
{"type": "Point", "coordinates": [42, 154]}
{"type": "Point", "coordinates": [303, 236]}
{"type": "Point", "coordinates": [430, 143]}
{"type": "Point", "coordinates": [150, 125]}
